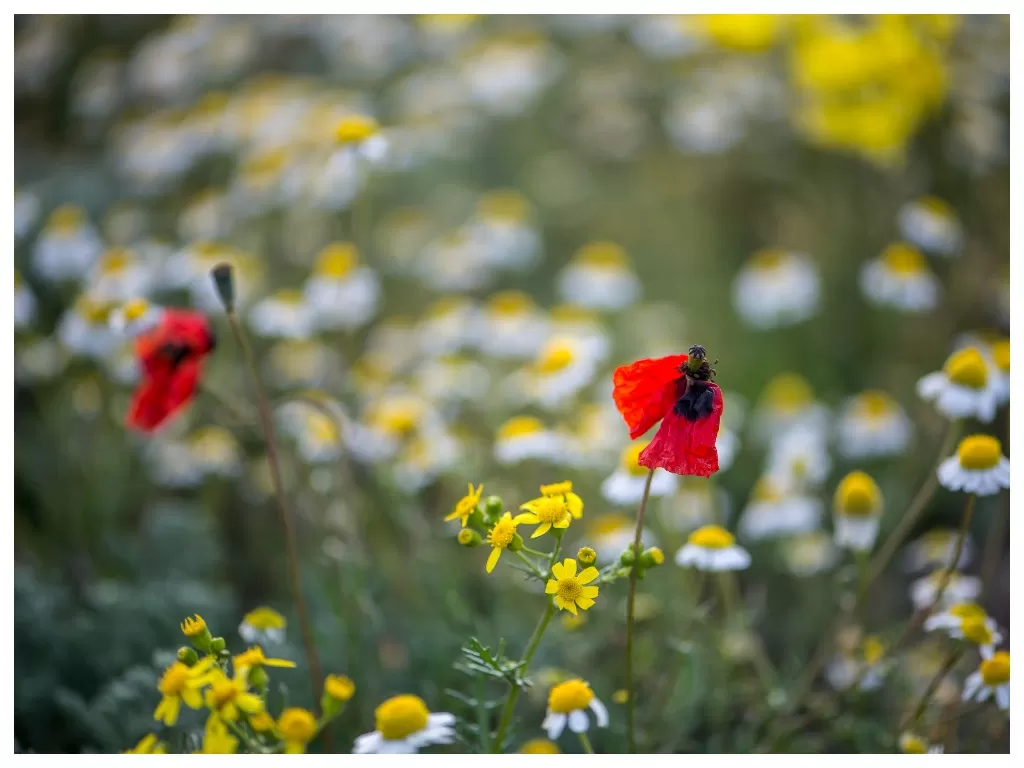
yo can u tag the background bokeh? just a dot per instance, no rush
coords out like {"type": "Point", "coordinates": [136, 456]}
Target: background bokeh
{"type": "Point", "coordinates": [499, 147]}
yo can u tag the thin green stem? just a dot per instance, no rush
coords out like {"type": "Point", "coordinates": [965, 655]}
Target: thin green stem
{"type": "Point", "coordinates": [531, 565]}
{"type": "Point", "coordinates": [933, 685]}
{"type": "Point", "coordinates": [284, 509]}
{"type": "Point", "coordinates": [630, 613]}
{"type": "Point", "coordinates": [513, 695]}
{"type": "Point", "coordinates": [243, 737]}
{"type": "Point", "coordinates": [585, 741]}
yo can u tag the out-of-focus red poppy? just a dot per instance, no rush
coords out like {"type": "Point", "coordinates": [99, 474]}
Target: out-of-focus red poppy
{"type": "Point", "coordinates": [676, 390]}
{"type": "Point", "coordinates": [171, 357]}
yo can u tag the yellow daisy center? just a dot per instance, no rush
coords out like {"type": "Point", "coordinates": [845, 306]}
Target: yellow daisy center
{"type": "Point", "coordinates": [979, 452]}
{"type": "Point", "coordinates": [264, 618]}
{"type": "Point", "coordinates": [222, 692]}
{"type": "Point", "coordinates": [322, 428]}
{"type": "Point", "coordinates": [339, 687]}
{"type": "Point", "coordinates": [555, 357]}
{"type": "Point", "coordinates": [630, 460]}
{"type": "Point", "coordinates": [540, 747]}
{"type": "Point", "coordinates": [570, 313]}
{"type": "Point", "coordinates": [569, 696]}
{"type": "Point", "coordinates": [67, 218]}
{"type": "Point", "coordinates": [520, 426]}
{"type": "Point", "coordinates": [766, 491]}
{"type": "Point", "coordinates": [115, 260]}
{"type": "Point", "coordinates": [401, 716]}
{"type": "Point", "coordinates": [398, 418]}
{"type": "Point", "coordinates": [904, 259]}
{"type": "Point", "coordinates": [509, 303]}
{"type": "Point", "coordinates": [213, 444]}
{"type": "Point", "coordinates": [937, 206]}
{"type": "Point", "coordinates": [569, 589]}
{"type": "Point", "coordinates": [712, 537]}
{"type": "Point", "coordinates": [289, 296]}
{"type": "Point", "coordinates": [297, 724]}
{"type": "Point", "coordinates": [1001, 355]}
{"type": "Point", "coordinates": [911, 744]}
{"type": "Point", "coordinates": [355, 129]}
{"type": "Point", "coordinates": [502, 533]}
{"type": "Point", "coordinates": [873, 649]}
{"type": "Point", "coordinates": [976, 630]}
{"type": "Point", "coordinates": [874, 404]}
{"type": "Point", "coordinates": [337, 260]}
{"type": "Point", "coordinates": [503, 206]}
{"type": "Point", "coordinates": [551, 509]}
{"type": "Point", "coordinates": [768, 259]}
{"type": "Point", "coordinates": [967, 611]}
{"type": "Point", "coordinates": [967, 368]}
{"type": "Point", "coordinates": [858, 495]}
{"type": "Point", "coordinates": [603, 255]}
{"type": "Point", "coordinates": [996, 671]}
{"type": "Point", "coordinates": [135, 309]}
{"type": "Point", "coordinates": [266, 163]}
{"type": "Point", "coordinates": [174, 679]}
{"type": "Point", "coordinates": [94, 312]}
{"type": "Point", "coordinates": [788, 392]}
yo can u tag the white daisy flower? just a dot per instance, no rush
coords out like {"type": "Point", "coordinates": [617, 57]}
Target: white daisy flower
{"type": "Point", "coordinates": [900, 279]}
{"type": "Point", "coordinates": [798, 458]}
{"type": "Point", "coordinates": [207, 216]}
{"type": "Point", "coordinates": [665, 36]}
{"type": "Point", "coordinates": [728, 445]}
{"type": "Point", "coordinates": [263, 626]}
{"type": "Point", "coordinates": [502, 230]}
{"type": "Point", "coordinates": [599, 277]}
{"type": "Point", "coordinates": [404, 726]}
{"type": "Point", "coordinates": [424, 458]}
{"type": "Point", "coordinates": [959, 589]}
{"type": "Point", "coordinates": [506, 75]}
{"type": "Point", "coordinates": [992, 678]}
{"type": "Point", "coordinates": [85, 328]}
{"type": "Point", "coordinates": [216, 451]}
{"type": "Point", "coordinates": [773, 512]}
{"type": "Point", "coordinates": [568, 703]}
{"type": "Point", "coordinates": [776, 288]}
{"type": "Point", "coordinates": [389, 421]}
{"type": "Point", "coordinates": [584, 327]}
{"type": "Point", "coordinates": [867, 662]}
{"type": "Point", "coordinates": [873, 424]}
{"type": "Point", "coordinates": [294, 363]}
{"type": "Point", "coordinates": [810, 553]}
{"type": "Point", "coordinates": [857, 512]}
{"type": "Point", "coordinates": [936, 548]}
{"type": "Point", "coordinates": [913, 744]}
{"type": "Point", "coordinates": [997, 354]}
{"type": "Point", "coordinates": [361, 135]}
{"type": "Point", "coordinates": [625, 486]}
{"type": "Point", "coordinates": [513, 326]}
{"type": "Point", "coordinates": [284, 314]}
{"type": "Point", "coordinates": [787, 403]}
{"type": "Point", "coordinates": [712, 548]}
{"type": "Point", "coordinates": [452, 379]}
{"type": "Point", "coordinates": [978, 467]}
{"type": "Point", "coordinates": [526, 437]}
{"type": "Point", "coordinates": [317, 435]}
{"type": "Point", "coordinates": [267, 179]}
{"type": "Point", "coordinates": [562, 368]}
{"type": "Point", "coordinates": [695, 503]}
{"type": "Point", "coordinates": [612, 533]}
{"type": "Point", "coordinates": [341, 293]}
{"type": "Point", "coordinates": [119, 275]}
{"type": "Point", "coordinates": [67, 247]}
{"type": "Point", "coordinates": [24, 303]}
{"type": "Point", "coordinates": [966, 621]}
{"type": "Point", "coordinates": [703, 123]}
{"type": "Point", "coordinates": [592, 436]}
{"type": "Point", "coordinates": [190, 267]}
{"type": "Point", "coordinates": [964, 388]}
{"type": "Point", "coordinates": [26, 211]}
{"type": "Point", "coordinates": [453, 262]}
{"type": "Point", "coordinates": [135, 317]}
{"type": "Point", "coordinates": [448, 325]}
{"type": "Point", "coordinates": [931, 224]}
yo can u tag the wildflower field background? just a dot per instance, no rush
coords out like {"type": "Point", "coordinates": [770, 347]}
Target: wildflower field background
{"type": "Point", "coordinates": [444, 233]}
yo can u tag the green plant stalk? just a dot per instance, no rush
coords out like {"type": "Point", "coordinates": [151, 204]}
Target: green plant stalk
{"type": "Point", "coordinates": [532, 566]}
{"type": "Point", "coordinates": [933, 685]}
{"type": "Point", "coordinates": [585, 741]}
{"type": "Point", "coordinates": [730, 599]}
{"type": "Point", "coordinates": [630, 611]}
{"type": "Point", "coordinates": [291, 548]}
{"type": "Point", "coordinates": [513, 695]}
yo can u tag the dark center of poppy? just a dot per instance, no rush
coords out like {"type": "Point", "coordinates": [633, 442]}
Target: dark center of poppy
{"type": "Point", "coordinates": [696, 401]}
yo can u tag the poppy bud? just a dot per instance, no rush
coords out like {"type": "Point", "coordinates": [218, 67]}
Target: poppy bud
{"type": "Point", "coordinates": [224, 282]}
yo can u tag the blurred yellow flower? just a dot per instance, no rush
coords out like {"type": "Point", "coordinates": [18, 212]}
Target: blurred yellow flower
{"type": "Point", "coordinates": [466, 505]}
{"type": "Point", "coordinates": [297, 727]}
{"type": "Point", "coordinates": [179, 684]}
{"type": "Point", "coordinates": [254, 657]}
{"type": "Point", "coordinates": [339, 687]}
{"type": "Point", "coordinates": [501, 536]}
{"type": "Point", "coordinates": [148, 745]}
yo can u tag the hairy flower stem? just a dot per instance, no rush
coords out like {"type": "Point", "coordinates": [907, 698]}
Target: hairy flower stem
{"type": "Point", "coordinates": [510, 702]}
{"type": "Point", "coordinates": [878, 565]}
{"type": "Point", "coordinates": [933, 685]}
{"type": "Point", "coordinates": [291, 549]}
{"type": "Point", "coordinates": [630, 615]}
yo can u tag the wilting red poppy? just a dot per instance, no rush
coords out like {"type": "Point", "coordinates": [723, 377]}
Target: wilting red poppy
{"type": "Point", "coordinates": [678, 391]}
{"type": "Point", "coordinates": [171, 356]}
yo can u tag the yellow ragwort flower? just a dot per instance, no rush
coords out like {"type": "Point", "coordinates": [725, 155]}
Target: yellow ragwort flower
{"type": "Point", "coordinates": [339, 687]}
{"type": "Point", "coordinates": [148, 745]}
{"type": "Point", "coordinates": [296, 727]}
{"type": "Point", "coordinates": [466, 505]}
{"type": "Point", "coordinates": [546, 513]}
{"type": "Point", "coordinates": [254, 657]}
{"type": "Point", "coordinates": [193, 626]}
{"type": "Point", "coordinates": [178, 684]}
{"type": "Point", "coordinates": [501, 536]}
{"type": "Point", "coordinates": [564, 491]}
{"type": "Point", "coordinates": [227, 696]}
{"type": "Point", "coordinates": [217, 739]}
{"type": "Point", "coordinates": [569, 588]}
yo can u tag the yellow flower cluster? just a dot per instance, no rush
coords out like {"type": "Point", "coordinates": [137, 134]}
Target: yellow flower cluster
{"type": "Point", "coordinates": [232, 689]}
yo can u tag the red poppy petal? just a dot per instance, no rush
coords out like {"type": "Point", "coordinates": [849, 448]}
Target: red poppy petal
{"type": "Point", "coordinates": [645, 391]}
{"type": "Point", "coordinates": [686, 447]}
{"type": "Point", "coordinates": [158, 398]}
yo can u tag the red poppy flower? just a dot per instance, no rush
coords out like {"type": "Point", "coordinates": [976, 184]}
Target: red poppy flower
{"type": "Point", "coordinates": [676, 390]}
{"type": "Point", "coordinates": [171, 357]}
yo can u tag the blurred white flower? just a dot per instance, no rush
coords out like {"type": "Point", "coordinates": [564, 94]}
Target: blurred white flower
{"type": "Point", "coordinates": [283, 314]}
{"type": "Point", "coordinates": [448, 325]}
{"type": "Point", "coordinates": [931, 224]}
{"type": "Point", "coordinates": [526, 437]}
{"type": "Point", "coordinates": [809, 553]}
{"type": "Point", "coordinates": [978, 467]}
{"type": "Point", "coordinates": [787, 403]}
{"type": "Point", "coordinates": [341, 292]}
{"type": "Point", "coordinates": [609, 534]}
{"type": "Point", "coordinates": [67, 247]}
{"type": "Point", "coordinates": [506, 75]}
{"type": "Point", "coordinates": [452, 379]}
{"type": "Point", "coordinates": [964, 388]}
{"type": "Point", "coordinates": [599, 277]}
{"type": "Point", "coordinates": [901, 279]}
{"type": "Point", "coordinates": [454, 262]}
{"type": "Point", "coordinates": [85, 330]}
{"type": "Point", "coordinates": [695, 503]}
{"type": "Point", "coordinates": [857, 512]}
{"type": "Point", "coordinates": [959, 589]}
{"type": "Point", "coordinates": [712, 548]}
{"type": "Point", "coordinates": [935, 549]}
{"type": "Point", "coordinates": [773, 512]}
{"type": "Point", "coordinates": [561, 369]}
{"type": "Point", "coordinates": [625, 486]}
{"type": "Point", "coordinates": [873, 424]}
{"type": "Point", "coordinates": [501, 228]}
{"type": "Point", "coordinates": [513, 326]}
{"type": "Point", "coordinates": [119, 275]}
{"type": "Point", "coordinates": [206, 217]}
{"type": "Point", "coordinates": [134, 317]}
{"type": "Point", "coordinates": [26, 211]}
{"type": "Point", "coordinates": [798, 458]}
{"type": "Point", "coordinates": [776, 288]}
{"type": "Point", "coordinates": [665, 37]}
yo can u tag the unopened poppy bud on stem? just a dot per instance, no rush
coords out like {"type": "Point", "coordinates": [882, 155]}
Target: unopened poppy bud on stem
{"type": "Point", "coordinates": [224, 282]}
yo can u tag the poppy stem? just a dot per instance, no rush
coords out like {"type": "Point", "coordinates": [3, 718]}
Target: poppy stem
{"type": "Point", "coordinates": [291, 549]}
{"type": "Point", "coordinates": [630, 614]}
